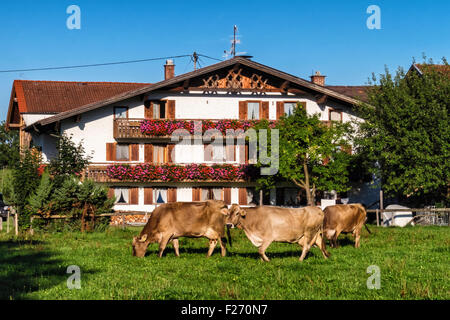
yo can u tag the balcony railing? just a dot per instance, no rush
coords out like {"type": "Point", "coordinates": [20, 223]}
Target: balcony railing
{"type": "Point", "coordinates": [147, 172]}
{"type": "Point", "coordinates": [162, 129]}
{"type": "Point", "coordinates": [128, 128]}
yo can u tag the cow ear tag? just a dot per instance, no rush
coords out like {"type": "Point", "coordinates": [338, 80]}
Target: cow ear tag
{"type": "Point", "coordinates": [243, 213]}
{"type": "Point", "coordinates": [143, 238]}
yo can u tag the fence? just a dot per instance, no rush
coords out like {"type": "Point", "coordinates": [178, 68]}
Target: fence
{"type": "Point", "coordinates": [429, 216]}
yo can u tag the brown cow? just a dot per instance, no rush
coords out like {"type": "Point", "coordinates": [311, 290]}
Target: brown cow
{"type": "Point", "coordinates": [265, 224]}
{"type": "Point", "coordinates": [344, 218]}
{"type": "Point", "coordinates": [182, 219]}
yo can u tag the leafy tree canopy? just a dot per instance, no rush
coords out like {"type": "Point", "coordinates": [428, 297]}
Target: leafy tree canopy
{"type": "Point", "coordinates": [406, 134]}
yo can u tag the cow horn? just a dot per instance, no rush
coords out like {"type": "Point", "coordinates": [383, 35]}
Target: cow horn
{"type": "Point", "coordinates": [143, 238]}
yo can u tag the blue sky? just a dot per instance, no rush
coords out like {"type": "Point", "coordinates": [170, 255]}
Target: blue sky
{"type": "Point", "coordinates": [294, 36]}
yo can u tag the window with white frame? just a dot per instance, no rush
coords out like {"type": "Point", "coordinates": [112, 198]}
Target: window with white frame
{"type": "Point", "coordinates": [122, 195]}
{"type": "Point", "coordinates": [253, 110]}
{"type": "Point", "coordinates": [160, 195]}
{"type": "Point", "coordinates": [122, 152]}
{"type": "Point", "coordinates": [158, 154]}
{"type": "Point", "coordinates": [212, 194]}
{"type": "Point", "coordinates": [289, 108]}
{"type": "Point", "coordinates": [159, 110]}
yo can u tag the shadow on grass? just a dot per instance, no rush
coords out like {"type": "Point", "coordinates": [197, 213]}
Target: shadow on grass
{"type": "Point", "coordinates": [28, 266]}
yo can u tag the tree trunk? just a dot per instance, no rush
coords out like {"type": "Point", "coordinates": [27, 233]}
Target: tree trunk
{"type": "Point", "coordinates": [309, 197]}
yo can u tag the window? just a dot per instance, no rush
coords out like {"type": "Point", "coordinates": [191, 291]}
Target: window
{"type": "Point", "coordinates": [159, 110]}
{"type": "Point", "coordinates": [160, 195]}
{"type": "Point", "coordinates": [252, 196]}
{"type": "Point", "coordinates": [289, 108]}
{"type": "Point", "coordinates": [122, 152]}
{"type": "Point", "coordinates": [122, 195]}
{"type": "Point", "coordinates": [253, 110]}
{"type": "Point", "coordinates": [214, 153]}
{"type": "Point", "coordinates": [335, 115]}
{"type": "Point", "coordinates": [120, 112]}
{"type": "Point", "coordinates": [211, 194]}
{"type": "Point", "coordinates": [158, 154]}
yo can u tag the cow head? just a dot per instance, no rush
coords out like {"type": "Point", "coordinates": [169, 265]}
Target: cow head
{"type": "Point", "coordinates": [217, 205]}
{"type": "Point", "coordinates": [236, 213]}
{"type": "Point", "coordinates": [140, 245]}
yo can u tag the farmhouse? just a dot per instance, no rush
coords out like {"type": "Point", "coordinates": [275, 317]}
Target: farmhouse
{"type": "Point", "coordinates": [126, 128]}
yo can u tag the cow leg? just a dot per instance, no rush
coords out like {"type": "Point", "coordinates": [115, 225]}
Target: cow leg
{"type": "Point", "coordinates": [223, 246]}
{"type": "Point", "coordinates": [306, 245]}
{"type": "Point", "coordinates": [262, 250]}
{"type": "Point", "coordinates": [321, 243]}
{"type": "Point", "coordinates": [176, 246]}
{"type": "Point", "coordinates": [357, 235]}
{"type": "Point", "coordinates": [163, 243]}
{"type": "Point", "coordinates": [212, 245]}
{"type": "Point", "coordinates": [335, 238]}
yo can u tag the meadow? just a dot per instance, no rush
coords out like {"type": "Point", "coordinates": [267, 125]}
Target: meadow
{"type": "Point", "coordinates": [413, 261]}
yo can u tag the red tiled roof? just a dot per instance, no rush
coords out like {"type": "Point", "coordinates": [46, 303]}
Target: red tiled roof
{"type": "Point", "coordinates": [357, 92]}
{"type": "Point", "coordinates": [60, 96]}
{"type": "Point", "coordinates": [441, 68]}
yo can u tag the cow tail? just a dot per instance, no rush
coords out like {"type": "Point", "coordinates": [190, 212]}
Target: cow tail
{"type": "Point", "coordinates": [363, 210]}
{"type": "Point", "coordinates": [229, 237]}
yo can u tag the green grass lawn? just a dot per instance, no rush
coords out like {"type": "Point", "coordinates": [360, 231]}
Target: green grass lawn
{"type": "Point", "coordinates": [414, 264]}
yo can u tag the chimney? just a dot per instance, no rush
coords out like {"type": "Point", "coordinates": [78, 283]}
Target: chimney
{"type": "Point", "coordinates": [317, 78]}
{"type": "Point", "coordinates": [169, 70]}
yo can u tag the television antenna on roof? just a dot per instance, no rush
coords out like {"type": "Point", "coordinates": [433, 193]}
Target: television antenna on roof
{"type": "Point", "coordinates": [232, 52]}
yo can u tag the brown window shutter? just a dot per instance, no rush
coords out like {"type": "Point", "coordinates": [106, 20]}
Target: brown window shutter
{"type": "Point", "coordinates": [170, 153]}
{"type": "Point", "coordinates": [280, 109]}
{"type": "Point", "coordinates": [148, 153]}
{"type": "Point", "coordinates": [134, 152]}
{"type": "Point", "coordinates": [148, 113]}
{"type": "Point", "coordinates": [243, 196]}
{"type": "Point", "coordinates": [134, 195]}
{"type": "Point", "coordinates": [148, 195]}
{"type": "Point", "coordinates": [172, 195]}
{"type": "Point", "coordinates": [196, 194]}
{"type": "Point", "coordinates": [170, 109]}
{"type": "Point", "coordinates": [230, 152]}
{"type": "Point", "coordinates": [110, 193]}
{"type": "Point", "coordinates": [111, 151]}
{"type": "Point", "coordinates": [242, 110]}
{"type": "Point", "coordinates": [265, 110]}
{"type": "Point", "coordinates": [227, 195]}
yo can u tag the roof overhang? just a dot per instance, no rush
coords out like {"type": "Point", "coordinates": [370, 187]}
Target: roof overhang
{"type": "Point", "coordinates": [288, 79]}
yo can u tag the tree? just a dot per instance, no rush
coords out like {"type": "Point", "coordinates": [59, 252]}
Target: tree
{"type": "Point", "coordinates": [406, 134]}
{"type": "Point", "coordinates": [25, 180]}
{"type": "Point", "coordinates": [312, 154]}
{"type": "Point", "coordinates": [71, 158]}
{"type": "Point", "coordinates": [9, 146]}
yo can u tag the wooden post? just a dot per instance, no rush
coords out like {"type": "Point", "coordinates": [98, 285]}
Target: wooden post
{"type": "Point", "coordinates": [1, 223]}
{"type": "Point", "coordinates": [123, 221]}
{"type": "Point", "coordinates": [7, 223]}
{"type": "Point", "coordinates": [260, 197]}
{"type": "Point", "coordinates": [378, 218]}
{"type": "Point", "coordinates": [381, 201]}
{"type": "Point", "coordinates": [16, 223]}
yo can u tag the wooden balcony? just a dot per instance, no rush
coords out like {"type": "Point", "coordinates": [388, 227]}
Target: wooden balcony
{"type": "Point", "coordinates": [99, 173]}
{"type": "Point", "coordinates": [128, 129]}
